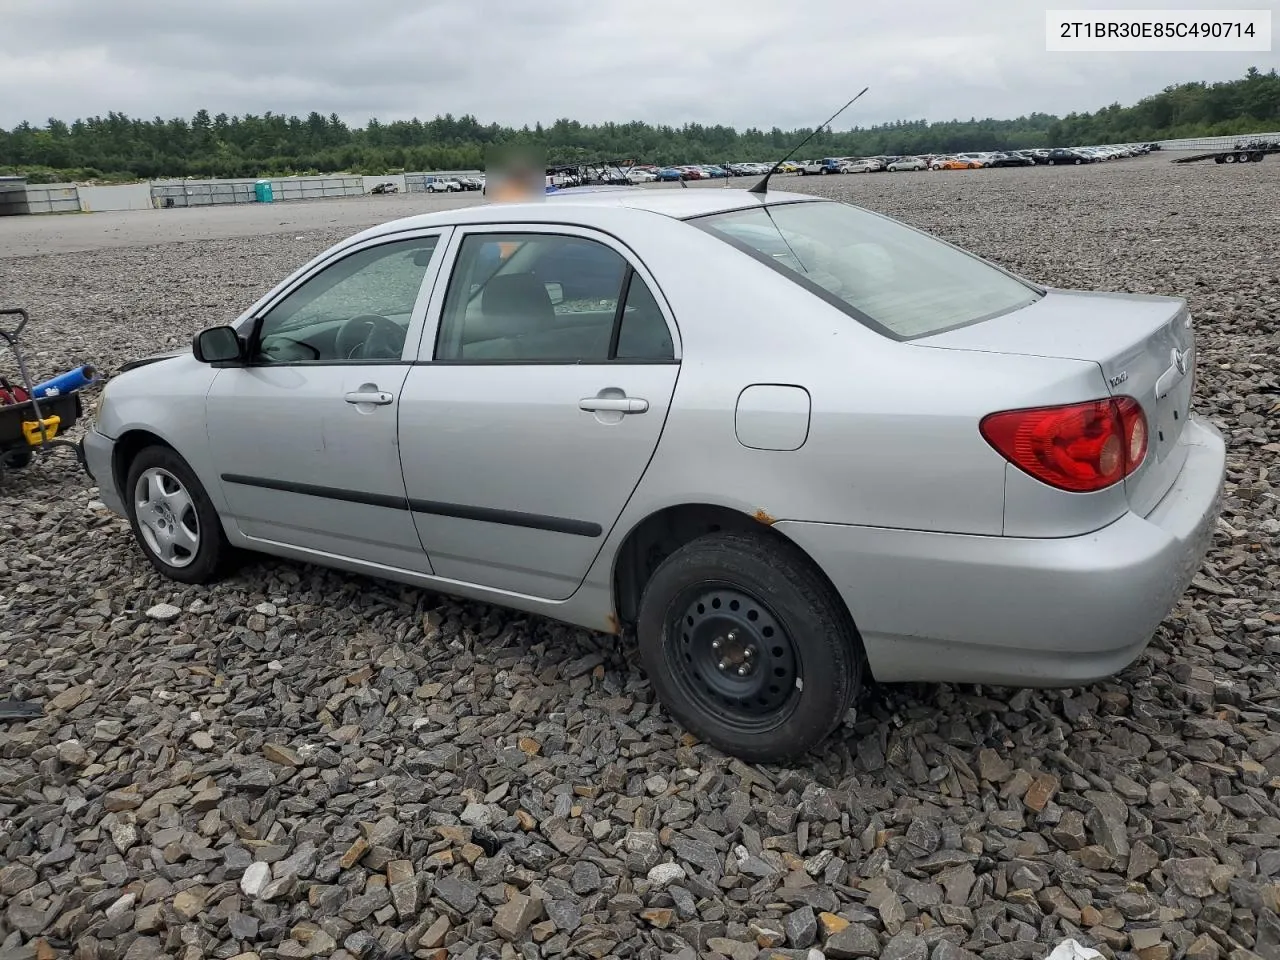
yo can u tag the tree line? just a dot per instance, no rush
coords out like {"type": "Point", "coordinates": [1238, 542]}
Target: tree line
{"type": "Point", "coordinates": [120, 148]}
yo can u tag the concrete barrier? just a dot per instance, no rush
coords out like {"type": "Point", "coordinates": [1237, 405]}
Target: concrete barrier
{"type": "Point", "coordinates": [122, 196]}
{"type": "Point", "coordinates": [203, 193]}
{"type": "Point", "coordinates": [53, 198]}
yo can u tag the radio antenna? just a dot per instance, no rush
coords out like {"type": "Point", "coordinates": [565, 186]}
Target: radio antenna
{"type": "Point", "coordinates": [763, 186]}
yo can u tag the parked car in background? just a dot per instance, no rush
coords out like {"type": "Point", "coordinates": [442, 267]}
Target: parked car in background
{"type": "Point", "coordinates": [1061, 155]}
{"type": "Point", "coordinates": [860, 166]}
{"type": "Point", "coordinates": [1032, 490]}
{"type": "Point", "coordinates": [907, 163]}
{"type": "Point", "coordinates": [443, 185]}
{"type": "Point", "coordinates": [826, 165]}
{"type": "Point", "coordinates": [641, 176]}
{"type": "Point", "coordinates": [670, 174]}
{"type": "Point", "coordinates": [952, 163]}
{"type": "Point", "coordinates": [1011, 160]}
{"type": "Point", "coordinates": [471, 183]}
{"type": "Point", "coordinates": [386, 187]}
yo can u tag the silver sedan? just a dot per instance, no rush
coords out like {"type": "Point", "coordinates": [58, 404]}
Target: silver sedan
{"type": "Point", "coordinates": [791, 443]}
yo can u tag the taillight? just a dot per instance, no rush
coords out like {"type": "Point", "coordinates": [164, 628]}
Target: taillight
{"type": "Point", "coordinates": [1081, 447]}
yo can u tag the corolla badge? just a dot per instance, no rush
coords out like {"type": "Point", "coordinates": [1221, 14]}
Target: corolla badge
{"type": "Point", "coordinates": [1119, 378]}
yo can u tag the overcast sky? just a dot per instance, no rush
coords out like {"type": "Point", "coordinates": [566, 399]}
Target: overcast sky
{"type": "Point", "coordinates": [739, 62]}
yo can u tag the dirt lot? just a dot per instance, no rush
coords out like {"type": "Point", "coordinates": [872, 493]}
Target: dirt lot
{"type": "Point", "coordinates": [299, 762]}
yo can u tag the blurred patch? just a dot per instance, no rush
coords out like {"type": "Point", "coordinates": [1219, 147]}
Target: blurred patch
{"type": "Point", "coordinates": [515, 174]}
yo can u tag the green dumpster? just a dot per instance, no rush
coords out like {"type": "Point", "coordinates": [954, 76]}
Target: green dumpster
{"type": "Point", "coordinates": [262, 191]}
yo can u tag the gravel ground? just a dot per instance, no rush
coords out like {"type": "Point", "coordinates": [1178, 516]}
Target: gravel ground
{"type": "Point", "coordinates": [303, 763]}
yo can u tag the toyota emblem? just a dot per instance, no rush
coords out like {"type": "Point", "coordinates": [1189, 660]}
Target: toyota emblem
{"type": "Point", "coordinates": [1180, 360]}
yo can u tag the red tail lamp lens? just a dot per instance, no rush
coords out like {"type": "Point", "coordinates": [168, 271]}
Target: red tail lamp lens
{"type": "Point", "coordinates": [1080, 447]}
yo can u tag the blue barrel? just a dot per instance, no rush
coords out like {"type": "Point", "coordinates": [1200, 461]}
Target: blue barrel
{"type": "Point", "coordinates": [262, 191]}
{"type": "Point", "coordinates": [67, 382]}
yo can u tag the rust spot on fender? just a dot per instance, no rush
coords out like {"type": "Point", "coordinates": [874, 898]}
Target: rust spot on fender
{"type": "Point", "coordinates": [765, 518]}
{"type": "Point", "coordinates": [612, 625]}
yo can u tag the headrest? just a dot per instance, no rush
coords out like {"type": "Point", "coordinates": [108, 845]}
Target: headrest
{"type": "Point", "coordinates": [520, 297]}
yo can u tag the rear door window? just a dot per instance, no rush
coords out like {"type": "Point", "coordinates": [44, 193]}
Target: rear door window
{"type": "Point", "coordinates": [548, 298]}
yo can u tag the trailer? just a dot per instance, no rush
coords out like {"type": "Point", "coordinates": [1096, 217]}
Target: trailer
{"type": "Point", "coordinates": [1251, 152]}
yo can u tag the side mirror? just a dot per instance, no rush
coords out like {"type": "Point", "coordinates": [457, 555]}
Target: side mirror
{"type": "Point", "coordinates": [218, 345]}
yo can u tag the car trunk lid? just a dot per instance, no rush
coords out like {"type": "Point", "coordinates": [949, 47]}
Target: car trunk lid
{"type": "Point", "coordinates": [1143, 345]}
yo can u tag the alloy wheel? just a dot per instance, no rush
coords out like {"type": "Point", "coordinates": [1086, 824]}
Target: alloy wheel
{"type": "Point", "coordinates": [167, 518]}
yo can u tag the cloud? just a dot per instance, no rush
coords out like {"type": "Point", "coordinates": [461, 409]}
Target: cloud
{"type": "Point", "coordinates": [749, 63]}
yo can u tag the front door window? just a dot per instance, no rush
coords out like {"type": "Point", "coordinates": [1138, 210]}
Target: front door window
{"type": "Point", "coordinates": [355, 311]}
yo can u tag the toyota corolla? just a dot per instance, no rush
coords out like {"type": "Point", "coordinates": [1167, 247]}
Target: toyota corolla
{"type": "Point", "coordinates": [791, 443]}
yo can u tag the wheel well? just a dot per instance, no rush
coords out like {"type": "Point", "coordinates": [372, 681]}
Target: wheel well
{"type": "Point", "coordinates": [663, 533]}
{"type": "Point", "coordinates": [128, 446]}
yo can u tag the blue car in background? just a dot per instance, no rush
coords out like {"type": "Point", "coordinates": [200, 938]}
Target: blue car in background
{"type": "Point", "coordinates": [668, 175]}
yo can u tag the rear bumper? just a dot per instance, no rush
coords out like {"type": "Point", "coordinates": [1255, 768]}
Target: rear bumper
{"type": "Point", "coordinates": [943, 607]}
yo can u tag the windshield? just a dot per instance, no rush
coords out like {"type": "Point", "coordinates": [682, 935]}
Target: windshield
{"type": "Point", "coordinates": [895, 279]}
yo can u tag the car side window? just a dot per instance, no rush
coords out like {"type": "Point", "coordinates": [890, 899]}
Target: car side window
{"type": "Point", "coordinates": [643, 334]}
{"type": "Point", "coordinates": [548, 298]}
{"type": "Point", "coordinates": [355, 311]}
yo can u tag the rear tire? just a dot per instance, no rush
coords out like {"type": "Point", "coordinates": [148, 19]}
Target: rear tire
{"type": "Point", "coordinates": [186, 543]}
{"type": "Point", "coordinates": [1229, 158]}
{"type": "Point", "coordinates": [748, 647]}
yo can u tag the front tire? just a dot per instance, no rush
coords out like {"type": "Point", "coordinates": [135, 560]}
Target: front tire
{"type": "Point", "coordinates": [748, 647]}
{"type": "Point", "coordinates": [173, 519]}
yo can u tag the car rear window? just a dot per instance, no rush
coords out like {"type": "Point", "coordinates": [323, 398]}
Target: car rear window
{"type": "Point", "coordinates": [894, 278]}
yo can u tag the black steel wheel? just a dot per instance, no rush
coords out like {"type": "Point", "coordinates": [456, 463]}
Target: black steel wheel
{"type": "Point", "coordinates": [731, 656]}
{"type": "Point", "coordinates": [748, 646]}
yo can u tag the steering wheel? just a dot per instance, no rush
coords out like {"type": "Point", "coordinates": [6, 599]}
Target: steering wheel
{"type": "Point", "coordinates": [369, 336]}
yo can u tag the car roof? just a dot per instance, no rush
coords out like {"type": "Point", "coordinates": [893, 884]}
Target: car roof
{"type": "Point", "coordinates": [585, 206]}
